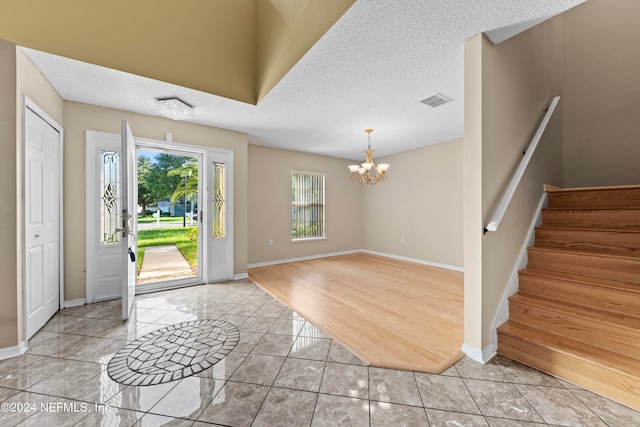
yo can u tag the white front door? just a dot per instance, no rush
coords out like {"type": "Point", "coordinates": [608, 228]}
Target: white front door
{"type": "Point", "coordinates": [42, 221]}
{"type": "Point", "coordinates": [103, 216]}
{"type": "Point", "coordinates": [129, 228]}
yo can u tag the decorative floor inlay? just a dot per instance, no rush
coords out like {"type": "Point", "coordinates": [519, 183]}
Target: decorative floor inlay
{"type": "Point", "coordinates": [174, 352]}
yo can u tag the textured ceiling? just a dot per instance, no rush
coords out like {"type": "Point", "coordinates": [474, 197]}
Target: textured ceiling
{"type": "Point", "coordinates": [370, 70]}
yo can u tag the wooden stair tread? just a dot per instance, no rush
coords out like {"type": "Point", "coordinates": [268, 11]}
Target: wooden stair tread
{"type": "Point", "coordinates": [551, 189]}
{"type": "Point", "coordinates": [588, 253]}
{"type": "Point", "coordinates": [603, 229]}
{"type": "Point", "coordinates": [586, 314]}
{"type": "Point", "coordinates": [580, 349]}
{"type": "Point", "coordinates": [579, 278]}
{"type": "Point", "coordinates": [620, 196]}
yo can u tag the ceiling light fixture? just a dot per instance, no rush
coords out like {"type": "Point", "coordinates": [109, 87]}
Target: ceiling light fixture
{"type": "Point", "coordinates": [362, 173]}
{"type": "Point", "coordinates": [174, 108]}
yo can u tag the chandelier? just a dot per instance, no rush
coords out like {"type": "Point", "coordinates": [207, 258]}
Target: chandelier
{"type": "Point", "coordinates": [362, 173]}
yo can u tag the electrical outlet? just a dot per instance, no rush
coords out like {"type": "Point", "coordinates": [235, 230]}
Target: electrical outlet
{"type": "Point", "coordinates": [401, 239]}
{"type": "Point", "coordinates": [270, 242]}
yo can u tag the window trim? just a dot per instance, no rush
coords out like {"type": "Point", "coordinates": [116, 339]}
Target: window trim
{"type": "Point", "coordinates": [324, 191]}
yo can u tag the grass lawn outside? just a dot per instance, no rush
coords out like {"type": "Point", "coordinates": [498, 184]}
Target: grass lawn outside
{"type": "Point", "coordinates": [185, 239]}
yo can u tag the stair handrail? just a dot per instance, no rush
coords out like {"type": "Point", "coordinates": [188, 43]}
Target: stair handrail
{"type": "Point", "coordinates": [501, 209]}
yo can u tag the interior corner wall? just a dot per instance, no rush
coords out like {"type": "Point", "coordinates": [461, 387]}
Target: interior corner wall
{"type": "Point", "coordinates": [520, 77]}
{"type": "Point", "coordinates": [10, 264]}
{"type": "Point", "coordinates": [270, 205]}
{"type": "Point", "coordinates": [81, 117]}
{"type": "Point", "coordinates": [602, 94]}
{"type": "Point", "coordinates": [31, 83]}
{"type": "Point", "coordinates": [417, 212]}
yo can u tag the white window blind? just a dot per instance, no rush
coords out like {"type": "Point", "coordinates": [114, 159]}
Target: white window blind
{"type": "Point", "coordinates": [307, 205]}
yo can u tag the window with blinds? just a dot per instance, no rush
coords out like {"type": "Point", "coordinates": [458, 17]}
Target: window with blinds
{"type": "Point", "coordinates": [307, 205]}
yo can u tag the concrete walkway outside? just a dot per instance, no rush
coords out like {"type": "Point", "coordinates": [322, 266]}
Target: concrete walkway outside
{"type": "Point", "coordinates": [162, 263]}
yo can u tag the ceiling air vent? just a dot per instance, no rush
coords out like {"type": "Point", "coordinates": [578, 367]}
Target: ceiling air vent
{"type": "Point", "coordinates": [436, 100]}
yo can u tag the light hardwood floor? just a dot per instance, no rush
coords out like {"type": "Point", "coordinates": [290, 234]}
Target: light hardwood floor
{"type": "Point", "coordinates": [389, 313]}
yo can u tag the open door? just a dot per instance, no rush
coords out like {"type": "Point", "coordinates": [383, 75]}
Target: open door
{"type": "Point", "coordinates": [129, 230]}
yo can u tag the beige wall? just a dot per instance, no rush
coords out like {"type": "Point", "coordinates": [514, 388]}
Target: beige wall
{"type": "Point", "coordinates": [474, 71]}
{"type": "Point", "coordinates": [270, 205]}
{"type": "Point", "coordinates": [18, 77]}
{"type": "Point", "coordinates": [519, 78]}
{"type": "Point", "coordinates": [30, 82]}
{"type": "Point", "coordinates": [602, 94]}
{"type": "Point", "coordinates": [371, 218]}
{"type": "Point", "coordinates": [81, 117]}
{"type": "Point", "coordinates": [420, 201]}
{"type": "Point", "coordinates": [10, 263]}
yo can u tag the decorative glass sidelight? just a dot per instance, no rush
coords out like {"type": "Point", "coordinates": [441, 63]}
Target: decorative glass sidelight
{"type": "Point", "coordinates": [110, 207]}
{"type": "Point", "coordinates": [218, 207]}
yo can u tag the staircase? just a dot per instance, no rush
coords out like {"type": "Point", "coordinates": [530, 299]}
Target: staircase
{"type": "Point", "coordinates": [577, 312]}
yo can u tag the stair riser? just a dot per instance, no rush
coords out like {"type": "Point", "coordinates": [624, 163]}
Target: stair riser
{"type": "Point", "coordinates": [585, 218]}
{"type": "Point", "coordinates": [610, 241]}
{"type": "Point", "coordinates": [595, 198]}
{"type": "Point", "coordinates": [610, 299]}
{"type": "Point", "coordinates": [619, 386]}
{"type": "Point", "coordinates": [607, 336]}
{"type": "Point", "coordinates": [594, 265]}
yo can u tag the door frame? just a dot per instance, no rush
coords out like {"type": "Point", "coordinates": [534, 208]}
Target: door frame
{"type": "Point", "coordinates": [31, 105]}
{"type": "Point", "coordinates": [178, 149]}
{"type": "Point", "coordinates": [205, 153]}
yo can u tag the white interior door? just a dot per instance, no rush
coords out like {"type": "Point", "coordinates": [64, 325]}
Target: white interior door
{"type": "Point", "coordinates": [42, 221]}
{"type": "Point", "coordinates": [129, 219]}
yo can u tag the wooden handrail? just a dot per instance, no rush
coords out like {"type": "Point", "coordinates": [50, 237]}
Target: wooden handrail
{"type": "Point", "coordinates": [501, 209]}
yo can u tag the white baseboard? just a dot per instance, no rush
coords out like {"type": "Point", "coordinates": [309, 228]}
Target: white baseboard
{"type": "Point", "coordinates": [481, 356]}
{"type": "Point", "coordinates": [15, 351]}
{"type": "Point", "coordinates": [74, 302]}
{"type": "Point", "coordinates": [304, 258]}
{"type": "Point", "coordinates": [418, 261]}
{"type": "Point", "coordinates": [240, 276]}
{"type": "Point", "coordinates": [502, 315]}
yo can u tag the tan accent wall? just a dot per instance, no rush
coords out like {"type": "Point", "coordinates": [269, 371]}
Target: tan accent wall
{"type": "Point", "coordinates": [286, 30]}
{"type": "Point", "coordinates": [81, 117]}
{"type": "Point", "coordinates": [602, 94]}
{"type": "Point", "coordinates": [10, 263]}
{"type": "Point", "coordinates": [270, 205]}
{"type": "Point", "coordinates": [421, 201]}
{"type": "Point", "coordinates": [238, 49]}
{"type": "Point", "coordinates": [519, 77]}
{"type": "Point", "coordinates": [207, 45]}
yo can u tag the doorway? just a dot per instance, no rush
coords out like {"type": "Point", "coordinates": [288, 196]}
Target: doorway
{"type": "Point", "coordinates": [43, 279]}
{"type": "Point", "coordinates": [199, 205]}
{"type": "Point", "coordinates": [169, 232]}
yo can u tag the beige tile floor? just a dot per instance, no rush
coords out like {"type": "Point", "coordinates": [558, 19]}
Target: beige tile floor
{"type": "Point", "coordinates": [283, 372]}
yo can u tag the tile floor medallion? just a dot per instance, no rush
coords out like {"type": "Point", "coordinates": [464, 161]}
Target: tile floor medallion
{"type": "Point", "coordinates": [173, 353]}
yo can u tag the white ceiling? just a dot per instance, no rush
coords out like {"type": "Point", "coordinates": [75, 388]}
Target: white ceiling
{"type": "Point", "coordinates": [370, 70]}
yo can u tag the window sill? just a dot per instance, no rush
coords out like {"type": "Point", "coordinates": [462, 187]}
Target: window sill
{"type": "Point", "coordinates": [307, 239]}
